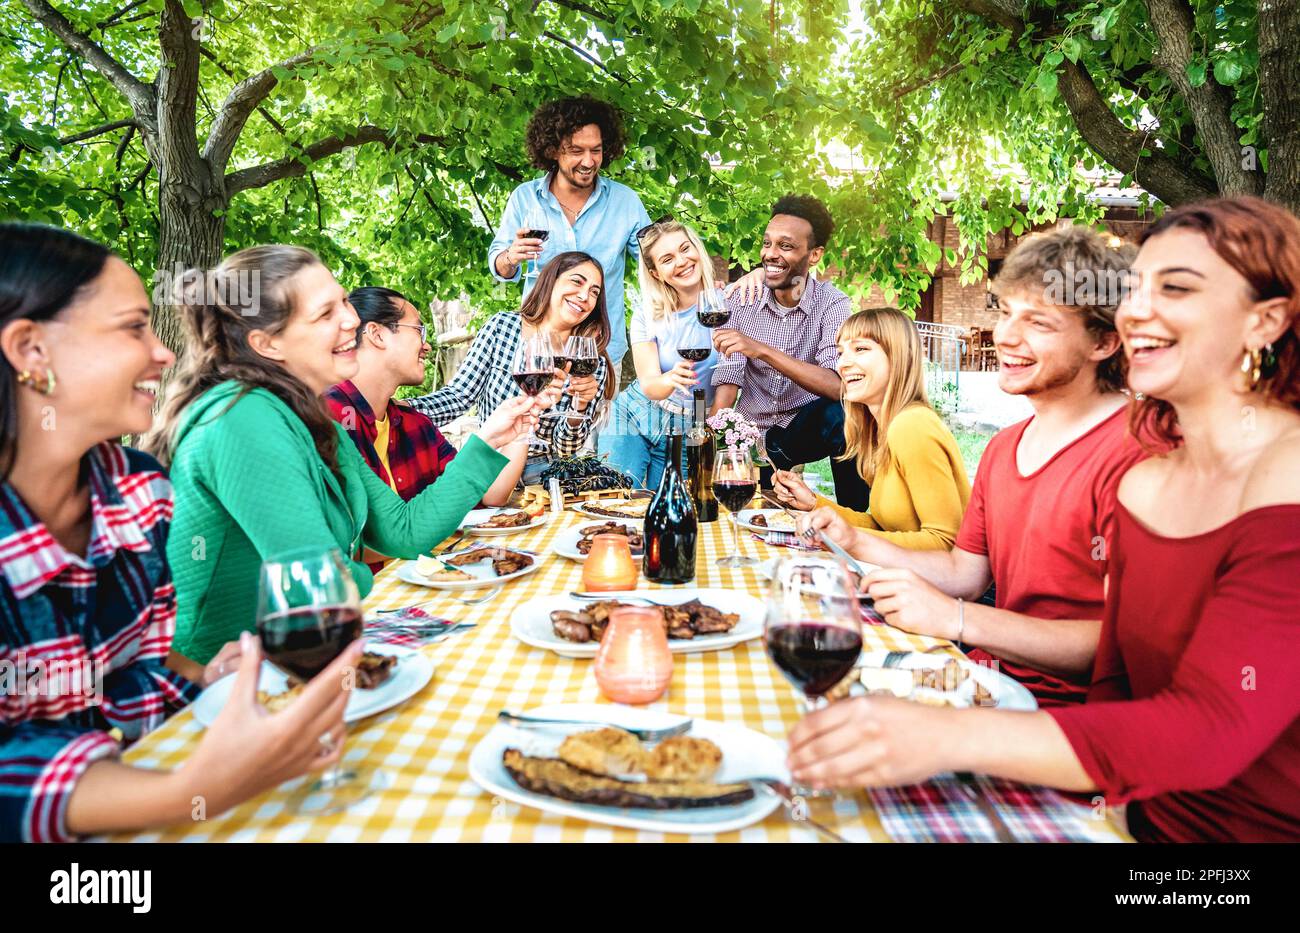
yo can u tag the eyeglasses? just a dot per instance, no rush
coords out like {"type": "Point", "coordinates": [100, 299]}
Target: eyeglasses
{"type": "Point", "coordinates": [640, 234]}
{"type": "Point", "coordinates": [422, 328]}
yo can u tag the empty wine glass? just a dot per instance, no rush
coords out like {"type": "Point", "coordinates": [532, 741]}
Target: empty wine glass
{"type": "Point", "coordinates": [735, 480]}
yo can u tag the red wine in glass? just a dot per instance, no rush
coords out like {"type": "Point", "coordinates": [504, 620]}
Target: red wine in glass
{"type": "Point", "coordinates": [733, 495]}
{"type": "Point", "coordinates": [537, 234]}
{"type": "Point", "coordinates": [533, 383]}
{"type": "Point", "coordinates": [305, 640]}
{"type": "Point", "coordinates": [584, 366]}
{"type": "Point", "coordinates": [694, 354]}
{"type": "Point", "coordinates": [714, 318]}
{"type": "Point", "coordinates": [812, 655]}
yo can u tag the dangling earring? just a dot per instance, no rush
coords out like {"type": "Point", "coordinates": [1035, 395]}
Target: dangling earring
{"type": "Point", "coordinates": [45, 388]}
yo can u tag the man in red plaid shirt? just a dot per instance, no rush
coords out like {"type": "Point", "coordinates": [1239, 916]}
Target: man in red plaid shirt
{"type": "Point", "coordinates": [404, 447]}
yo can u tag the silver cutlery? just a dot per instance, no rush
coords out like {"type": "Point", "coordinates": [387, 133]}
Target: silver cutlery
{"type": "Point", "coordinates": [645, 735]}
{"type": "Point", "coordinates": [788, 798]}
{"type": "Point", "coordinates": [622, 599]}
{"type": "Point", "coordinates": [974, 791]}
{"type": "Point", "coordinates": [474, 601]}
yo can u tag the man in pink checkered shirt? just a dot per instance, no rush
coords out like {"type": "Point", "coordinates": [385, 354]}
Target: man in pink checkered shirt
{"type": "Point", "coordinates": [781, 350]}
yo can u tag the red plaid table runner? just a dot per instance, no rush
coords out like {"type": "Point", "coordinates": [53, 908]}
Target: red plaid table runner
{"type": "Point", "coordinates": [940, 811]}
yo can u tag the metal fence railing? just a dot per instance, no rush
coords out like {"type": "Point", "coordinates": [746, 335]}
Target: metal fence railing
{"type": "Point", "coordinates": [943, 347]}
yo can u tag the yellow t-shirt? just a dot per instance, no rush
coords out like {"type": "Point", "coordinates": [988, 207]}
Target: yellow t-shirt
{"type": "Point", "coordinates": [918, 501]}
{"type": "Point", "coordinates": [381, 449]}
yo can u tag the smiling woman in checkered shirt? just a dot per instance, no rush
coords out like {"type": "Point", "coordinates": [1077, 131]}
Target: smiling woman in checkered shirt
{"type": "Point", "coordinates": [568, 300]}
{"type": "Point", "coordinates": [87, 604]}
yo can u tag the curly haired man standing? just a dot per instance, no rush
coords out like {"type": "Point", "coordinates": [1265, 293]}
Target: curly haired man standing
{"type": "Point", "coordinates": [571, 140]}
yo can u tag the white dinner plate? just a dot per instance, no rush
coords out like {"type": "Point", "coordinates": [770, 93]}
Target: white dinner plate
{"type": "Point", "coordinates": [481, 571]}
{"type": "Point", "coordinates": [1007, 693]}
{"type": "Point", "coordinates": [566, 542]}
{"type": "Point", "coordinates": [413, 671]}
{"type": "Point", "coordinates": [745, 753]}
{"type": "Point", "coordinates": [584, 508]}
{"type": "Point", "coordinates": [746, 520]}
{"type": "Point", "coordinates": [819, 562]}
{"type": "Point", "coordinates": [475, 517]}
{"type": "Point", "coordinates": [531, 622]}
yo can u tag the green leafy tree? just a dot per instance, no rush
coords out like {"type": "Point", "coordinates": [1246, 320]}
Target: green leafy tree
{"type": "Point", "coordinates": [386, 134]}
{"type": "Point", "coordinates": [990, 112]}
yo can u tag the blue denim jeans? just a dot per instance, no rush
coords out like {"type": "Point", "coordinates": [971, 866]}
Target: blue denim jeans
{"type": "Point", "coordinates": [636, 437]}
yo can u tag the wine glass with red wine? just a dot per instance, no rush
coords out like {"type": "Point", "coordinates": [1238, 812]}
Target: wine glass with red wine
{"type": "Point", "coordinates": [538, 229]}
{"type": "Point", "coordinates": [534, 369]}
{"type": "Point", "coordinates": [308, 611]}
{"type": "Point", "coordinates": [735, 480]}
{"type": "Point", "coordinates": [712, 309]}
{"type": "Point", "coordinates": [813, 629]}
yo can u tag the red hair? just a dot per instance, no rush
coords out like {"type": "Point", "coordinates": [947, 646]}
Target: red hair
{"type": "Point", "coordinates": [1261, 241]}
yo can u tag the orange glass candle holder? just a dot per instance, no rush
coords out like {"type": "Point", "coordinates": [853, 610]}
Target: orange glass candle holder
{"type": "Point", "coordinates": [633, 664]}
{"type": "Point", "coordinates": [609, 565]}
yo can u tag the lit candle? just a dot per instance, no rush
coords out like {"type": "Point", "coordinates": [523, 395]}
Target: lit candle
{"type": "Point", "coordinates": [634, 664]}
{"type": "Point", "coordinates": [609, 566]}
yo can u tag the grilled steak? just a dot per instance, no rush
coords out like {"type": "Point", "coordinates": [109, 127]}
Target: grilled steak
{"type": "Point", "coordinates": [683, 621]}
{"type": "Point", "coordinates": [554, 778]}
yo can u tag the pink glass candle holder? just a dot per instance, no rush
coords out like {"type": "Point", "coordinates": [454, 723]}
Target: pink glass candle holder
{"type": "Point", "coordinates": [634, 664]}
{"type": "Point", "coordinates": [609, 565]}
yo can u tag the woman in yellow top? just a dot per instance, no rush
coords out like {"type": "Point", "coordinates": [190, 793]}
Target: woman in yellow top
{"type": "Point", "coordinates": [919, 488]}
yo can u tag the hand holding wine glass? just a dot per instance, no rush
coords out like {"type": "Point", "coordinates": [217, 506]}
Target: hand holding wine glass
{"type": "Point", "coordinates": [513, 419]}
{"type": "Point", "coordinates": [248, 750]}
{"type": "Point", "coordinates": [308, 613]}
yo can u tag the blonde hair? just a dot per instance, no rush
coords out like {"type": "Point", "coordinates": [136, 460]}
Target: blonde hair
{"type": "Point", "coordinates": [660, 297]}
{"type": "Point", "coordinates": [865, 438]}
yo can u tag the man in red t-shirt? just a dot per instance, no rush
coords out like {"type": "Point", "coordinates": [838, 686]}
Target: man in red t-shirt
{"type": "Point", "coordinates": [1040, 513]}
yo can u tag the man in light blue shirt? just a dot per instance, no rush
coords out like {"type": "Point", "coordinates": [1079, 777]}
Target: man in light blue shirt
{"type": "Point", "coordinates": [571, 140]}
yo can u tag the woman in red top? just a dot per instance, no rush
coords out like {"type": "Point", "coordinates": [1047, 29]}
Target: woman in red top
{"type": "Point", "coordinates": [1193, 713]}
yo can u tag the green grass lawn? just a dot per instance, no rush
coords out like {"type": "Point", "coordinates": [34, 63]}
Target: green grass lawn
{"type": "Point", "coordinates": [970, 443]}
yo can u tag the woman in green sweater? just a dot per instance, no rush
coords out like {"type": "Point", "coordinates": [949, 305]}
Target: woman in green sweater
{"type": "Point", "coordinates": [257, 464]}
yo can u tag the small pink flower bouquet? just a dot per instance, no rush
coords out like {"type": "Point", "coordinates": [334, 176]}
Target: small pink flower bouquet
{"type": "Point", "coordinates": [733, 431]}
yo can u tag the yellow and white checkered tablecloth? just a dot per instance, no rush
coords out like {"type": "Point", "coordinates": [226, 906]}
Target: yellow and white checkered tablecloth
{"type": "Point", "coordinates": [424, 744]}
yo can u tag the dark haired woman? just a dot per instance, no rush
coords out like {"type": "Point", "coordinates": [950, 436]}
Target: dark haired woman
{"type": "Point", "coordinates": [1193, 718]}
{"type": "Point", "coordinates": [404, 447]}
{"type": "Point", "coordinates": [572, 204]}
{"type": "Point", "coordinates": [86, 599]}
{"type": "Point", "coordinates": [258, 465]}
{"type": "Point", "coordinates": [569, 300]}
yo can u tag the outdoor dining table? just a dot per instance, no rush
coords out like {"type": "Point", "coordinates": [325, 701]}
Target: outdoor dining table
{"type": "Point", "coordinates": [424, 744]}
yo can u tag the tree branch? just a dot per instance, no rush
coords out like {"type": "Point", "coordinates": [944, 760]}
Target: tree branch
{"type": "Point", "coordinates": [259, 176]}
{"type": "Point", "coordinates": [97, 131]}
{"type": "Point", "coordinates": [178, 85]}
{"type": "Point", "coordinates": [139, 95]}
{"type": "Point", "coordinates": [1210, 103]}
{"type": "Point", "coordinates": [104, 24]}
{"type": "Point", "coordinates": [584, 54]}
{"type": "Point", "coordinates": [1158, 172]}
{"type": "Point", "coordinates": [239, 105]}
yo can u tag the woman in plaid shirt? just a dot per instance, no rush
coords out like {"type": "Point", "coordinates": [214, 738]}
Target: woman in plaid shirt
{"type": "Point", "coordinates": [87, 604]}
{"type": "Point", "coordinates": [568, 300]}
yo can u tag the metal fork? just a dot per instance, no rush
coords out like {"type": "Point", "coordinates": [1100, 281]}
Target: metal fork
{"type": "Point", "coordinates": [787, 796]}
{"type": "Point", "coordinates": [622, 599]}
{"type": "Point", "coordinates": [974, 791]}
{"type": "Point", "coordinates": [645, 735]}
{"type": "Point", "coordinates": [490, 594]}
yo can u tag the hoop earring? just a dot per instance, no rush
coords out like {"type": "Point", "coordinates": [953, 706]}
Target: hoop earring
{"type": "Point", "coordinates": [45, 387]}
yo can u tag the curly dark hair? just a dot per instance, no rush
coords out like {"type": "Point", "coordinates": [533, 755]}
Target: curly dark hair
{"type": "Point", "coordinates": [554, 122]}
{"type": "Point", "coordinates": [811, 210]}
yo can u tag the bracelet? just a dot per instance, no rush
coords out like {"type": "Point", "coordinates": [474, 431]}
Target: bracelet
{"type": "Point", "coordinates": [961, 622]}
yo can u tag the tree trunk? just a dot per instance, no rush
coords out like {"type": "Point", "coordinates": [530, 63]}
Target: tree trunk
{"type": "Point", "coordinates": [191, 235]}
{"type": "Point", "coordinates": [1279, 83]}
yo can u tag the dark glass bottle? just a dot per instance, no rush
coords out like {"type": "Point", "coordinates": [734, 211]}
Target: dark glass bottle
{"type": "Point", "coordinates": [670, 526]}
{"type": "Point", "coordinates": [701, 447]}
